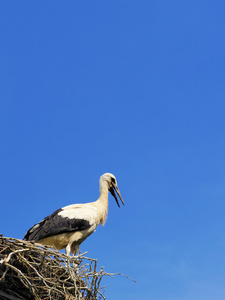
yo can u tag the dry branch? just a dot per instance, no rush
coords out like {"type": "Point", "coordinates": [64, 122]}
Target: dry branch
{"type": "Point", "coordinates": [31, 271]}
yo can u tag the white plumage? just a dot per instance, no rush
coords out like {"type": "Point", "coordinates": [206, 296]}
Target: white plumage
{"type": "Point", "coordinates": [69, 226]}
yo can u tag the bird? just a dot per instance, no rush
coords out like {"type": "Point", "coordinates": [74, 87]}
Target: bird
{"type": "Point", "coordinates": [69, 226]}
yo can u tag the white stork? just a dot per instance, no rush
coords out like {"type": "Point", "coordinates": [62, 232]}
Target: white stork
{"type": "Point", "coordinates": [69, 226]}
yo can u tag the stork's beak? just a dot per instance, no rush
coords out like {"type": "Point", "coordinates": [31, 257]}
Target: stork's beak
{"type": "Point", "coordinates": [112, 190]}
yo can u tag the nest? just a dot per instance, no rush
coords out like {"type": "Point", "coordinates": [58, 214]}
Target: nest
{"type": "Point", "coordinates": [31, 271]}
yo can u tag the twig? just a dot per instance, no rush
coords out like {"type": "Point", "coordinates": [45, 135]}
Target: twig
{"type": "Point", "coordinates": [8, 296]}
{"type": "Point", "coordinates": [7, 259]}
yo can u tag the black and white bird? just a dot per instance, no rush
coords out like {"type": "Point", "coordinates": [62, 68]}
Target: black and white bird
{"type": "Point", "coordinates": [69, 226]}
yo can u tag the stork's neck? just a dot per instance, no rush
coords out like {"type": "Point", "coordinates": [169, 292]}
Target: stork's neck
{"type": "Point", "coordinates": [102, 202]}
{"type": "Point", "coordinates": [103, 198]}
{"type": "Point", "coordinates": [104, 188]}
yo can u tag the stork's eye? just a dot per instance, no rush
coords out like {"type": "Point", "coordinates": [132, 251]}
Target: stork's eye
{"type": "Point", "coordinates": [113, 180]}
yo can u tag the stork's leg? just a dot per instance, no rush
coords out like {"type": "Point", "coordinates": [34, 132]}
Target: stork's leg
{"type": "Point", "coordinates": [68, 249]}
{"type": "Point", "coordinates": [75, 249]}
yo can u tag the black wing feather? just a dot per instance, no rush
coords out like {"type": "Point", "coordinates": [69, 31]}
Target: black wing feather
{"type": "Point", "coordinates": [55, 224]}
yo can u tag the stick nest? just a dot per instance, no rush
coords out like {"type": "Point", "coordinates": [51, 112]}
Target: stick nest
{"type": "Point", "coordinates": [31, 271]}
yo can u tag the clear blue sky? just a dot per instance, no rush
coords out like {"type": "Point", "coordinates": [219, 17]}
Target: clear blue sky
{"type": "Point", "coordinates": [135, 88]}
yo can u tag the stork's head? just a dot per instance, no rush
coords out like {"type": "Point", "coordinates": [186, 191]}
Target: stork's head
{"type": "Point", "coordinates": [109, 180]}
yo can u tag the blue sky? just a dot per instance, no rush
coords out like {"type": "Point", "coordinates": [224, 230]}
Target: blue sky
{"type": "Point", "coordinates": [135, 88]}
